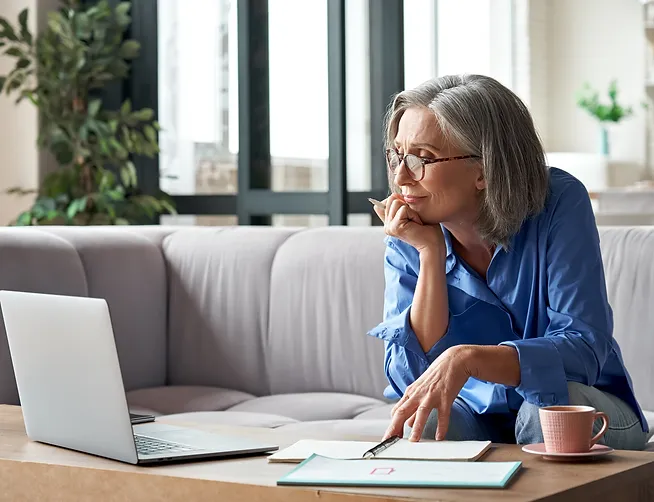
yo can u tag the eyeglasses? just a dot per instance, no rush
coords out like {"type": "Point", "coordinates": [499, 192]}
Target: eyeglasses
{"type": "Point", "coordinates": [416, 165]}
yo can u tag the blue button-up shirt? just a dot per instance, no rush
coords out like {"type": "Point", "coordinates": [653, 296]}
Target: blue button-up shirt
{"type": "Point", "coordinates": [545, 295]}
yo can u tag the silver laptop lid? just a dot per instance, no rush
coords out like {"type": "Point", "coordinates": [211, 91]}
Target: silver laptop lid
{"type": "Point", "coordinates": [67, 373]}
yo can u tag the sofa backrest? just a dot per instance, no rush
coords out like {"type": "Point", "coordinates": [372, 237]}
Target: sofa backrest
{"type": "Point", "coordinates": [275, 310]}
{"type": "Point", "coordinates": [628, 256]}
{"type": "Point", "coordinates": [266, 310]}
{"type": "Point", "coordinates": [124, 266]}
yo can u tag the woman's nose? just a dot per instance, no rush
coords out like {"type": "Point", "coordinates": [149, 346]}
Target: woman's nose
{"type": "Point", "coordinates": [402, 176]}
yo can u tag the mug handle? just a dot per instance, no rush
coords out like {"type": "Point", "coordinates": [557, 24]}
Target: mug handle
{"type": "Point", "coordinates": [605, 425]}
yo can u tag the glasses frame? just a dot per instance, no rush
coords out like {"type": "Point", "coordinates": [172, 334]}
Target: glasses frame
{"type": "Point", "coordinates": [423, 161]}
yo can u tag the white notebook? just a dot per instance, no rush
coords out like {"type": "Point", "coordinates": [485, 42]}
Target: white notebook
{"type": "Point", "coordinates": [402, 450]}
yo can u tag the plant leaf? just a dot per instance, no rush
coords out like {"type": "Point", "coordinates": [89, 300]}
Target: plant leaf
{"type": "Point", "coordinates": [150, 133]}
{"type": "Point", "coordinates": [94, 107]}
{"type": "Point", "coordinates": [132, 172]}
{"type": "Point", "coordinates": [15, 52]}
{"type": "Point", "coordinates": [126, 107]}
{"type": "Point", "coordinates": [8, 31]}
{"type": "Point", "coordinates": [144, 115]}
{"type": "Point", "coordinates": [122, 14]}
{"type": "Point", "coordinates": [116, 194]}
{"type": "Point", "coordinates": [125, 177]}
{"type": "Point", "coordinates": [24, 30]}
{"type": "Point", "coordinates": [168, 206]}
{"type": "Point", "coordinates": [46, 203]}
{"type": "Point", "coordinates": [77, 206]}
{"type": "Point", "coordinates": [24, 219]}
{"type": "Point", "coordinates": [129, 49]}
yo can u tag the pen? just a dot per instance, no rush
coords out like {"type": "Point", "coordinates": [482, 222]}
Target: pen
{"type": "Point", "coordinates": [377, 203]}
{"type": "Point", "coordinates": [381, 446]}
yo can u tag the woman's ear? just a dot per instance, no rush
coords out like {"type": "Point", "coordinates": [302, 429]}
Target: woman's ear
{"type": "Point", "coordinates": [480, 182]}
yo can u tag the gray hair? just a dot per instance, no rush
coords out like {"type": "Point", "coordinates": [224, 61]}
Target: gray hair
{"type": "Point", "coordinates": [482, 117]}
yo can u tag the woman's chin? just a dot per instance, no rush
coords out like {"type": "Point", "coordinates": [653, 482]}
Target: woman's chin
{"type": "Point", "coordinates": [429, 219]}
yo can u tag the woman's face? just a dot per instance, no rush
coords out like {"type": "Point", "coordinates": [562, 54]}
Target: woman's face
{"type": "Point", "coordinates": [449, 190]}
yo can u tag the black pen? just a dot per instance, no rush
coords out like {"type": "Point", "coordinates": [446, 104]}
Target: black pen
{"type": "Point", "coordinates": [381, 446]}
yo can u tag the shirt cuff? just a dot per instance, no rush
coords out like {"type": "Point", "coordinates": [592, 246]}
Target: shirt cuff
{"type": "Point", "coordinates": [398, 330]}
{"type": "Point", "coordinates": [542, 377]}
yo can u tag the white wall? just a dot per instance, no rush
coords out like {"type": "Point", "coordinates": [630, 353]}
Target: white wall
{"type": "Point", "coordinates": [19, 157]}
{"type": "Point", "coordinates": [21, 163]}
{"type": "Point", "coordinates": [594, 41]}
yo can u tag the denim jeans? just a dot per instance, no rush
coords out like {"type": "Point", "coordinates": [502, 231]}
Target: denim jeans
{"type": "Point", "coordinates": [624, 432]}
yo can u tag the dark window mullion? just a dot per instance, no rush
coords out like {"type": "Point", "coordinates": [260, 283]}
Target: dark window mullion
{"type": "Point", "coordinates": [254, 166]}
{"type": "Point", "coordinates": [386, 34]}
{"type": "Point", "coordinates": [143, 83]}
{"type": "Point", "coordinates": [337, 119]}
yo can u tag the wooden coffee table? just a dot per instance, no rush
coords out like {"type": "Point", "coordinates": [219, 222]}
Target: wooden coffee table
{"type": "Point", "coordinates": [33, 471]}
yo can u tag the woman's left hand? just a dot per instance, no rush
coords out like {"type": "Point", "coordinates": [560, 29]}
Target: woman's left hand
{"type": "Point", "coordinates": [437, 388]}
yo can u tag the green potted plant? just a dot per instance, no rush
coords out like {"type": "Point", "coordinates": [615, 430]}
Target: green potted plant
{"type": "Point", "coordinates": [605, 112]}
{"type": "Point", "coordinates": [62, 71]}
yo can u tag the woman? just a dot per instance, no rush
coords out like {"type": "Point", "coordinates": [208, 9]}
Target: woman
{"type": "Point", "coordinates": [495, 300]}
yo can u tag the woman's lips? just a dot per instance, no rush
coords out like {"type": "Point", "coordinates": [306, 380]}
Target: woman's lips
{"type": "Point", "coordinates": [412, 199]}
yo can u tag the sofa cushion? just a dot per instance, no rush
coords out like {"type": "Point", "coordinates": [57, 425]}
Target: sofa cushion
{"type": "Point", "coordinates": [310, 405]}
{"type": "Point", "coordinates": [219, 298]}
{"type": "Point", "coordinates": [326, 292]}
{"type": "Point", "coordinates": [377, 413]}
{"type": "Point", "coordinates": [182, 399]}
{"type": "Point", "coordinates": [239, 418]}
{"type": "Point", "coordinates": [342, 429]}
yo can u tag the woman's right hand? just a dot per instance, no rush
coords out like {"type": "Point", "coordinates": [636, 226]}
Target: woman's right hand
{"type": "Point", "coordinates": [404, 223]}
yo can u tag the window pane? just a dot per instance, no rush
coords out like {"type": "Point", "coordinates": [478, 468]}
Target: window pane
{"type": "Point", "coordinates": [223, 220]}
{"type": "Point", "coordinates": [198, 100]}
{"type": "Point", "coordinates": [357, 95]}
{"type": "Point", "coordinates": [485, 48]}
{"type": "Point", "coordinates": [419, 41]}
{"type": "Point", "coordinates": [300, 220]}
{"type": "Point", "coordinates": [469, 53]}
{"type": "Point", "coordinates": [299, 126]}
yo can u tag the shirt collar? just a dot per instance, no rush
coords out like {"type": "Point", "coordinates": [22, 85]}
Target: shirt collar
{"type": "Point", "coordinates": [450, 257]}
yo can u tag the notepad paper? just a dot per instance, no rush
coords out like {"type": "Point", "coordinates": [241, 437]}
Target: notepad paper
{"type": "Point", "coordinates": [402, 450]}
{"type": "Point", "coordinates": [323, 471]}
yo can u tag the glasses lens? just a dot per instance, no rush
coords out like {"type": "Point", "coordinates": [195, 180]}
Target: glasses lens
{"type": "Point", "coordinates": [393, 160]}
{"type": "Point", "coordinates": [414, 165]}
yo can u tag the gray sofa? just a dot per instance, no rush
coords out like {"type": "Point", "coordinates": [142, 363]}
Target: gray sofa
{"type": "Point", "coordinates": [265, 326]}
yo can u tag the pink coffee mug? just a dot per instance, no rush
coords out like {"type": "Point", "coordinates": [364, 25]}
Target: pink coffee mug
{"type": "Point", "coordinates": [569, 429]}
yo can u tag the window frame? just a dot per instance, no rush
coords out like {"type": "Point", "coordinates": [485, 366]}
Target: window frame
{"type": "Point", "coordinates": [255, 202]}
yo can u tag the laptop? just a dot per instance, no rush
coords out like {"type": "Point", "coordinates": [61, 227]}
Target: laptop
{"type": "Point", "coordinates": [71, 387]}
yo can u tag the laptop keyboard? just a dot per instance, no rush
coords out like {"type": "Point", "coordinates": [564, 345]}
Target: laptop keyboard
{"type": "Point", "coordinates": [151, 446]}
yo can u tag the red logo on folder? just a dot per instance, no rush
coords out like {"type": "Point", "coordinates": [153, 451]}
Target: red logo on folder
{"type": "Point", "coordinates": [382, 471]}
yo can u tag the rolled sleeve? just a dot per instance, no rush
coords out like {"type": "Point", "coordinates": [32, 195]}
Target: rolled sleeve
{"type": "Point", "coordinates": [543, 380]}
{"type": "Point", "coordinates": [397, 330]}
{"type": "Point", "coordinates": [405, 360]}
